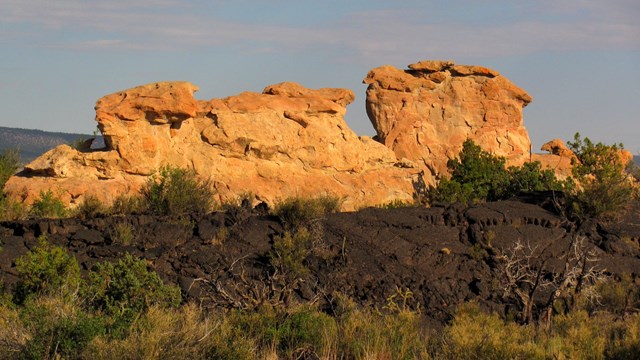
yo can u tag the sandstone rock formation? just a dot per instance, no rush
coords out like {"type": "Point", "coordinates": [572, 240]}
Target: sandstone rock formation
{"type": "Point", "coordinates": [293, 141]}
{"type": "Point", "coordinates": [425, 113]}
{"type": "Point", "coordinates": [286, 141]}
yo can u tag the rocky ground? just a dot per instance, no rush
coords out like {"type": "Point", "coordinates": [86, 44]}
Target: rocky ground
{"type": "Point", "coordinates": [444, 255]}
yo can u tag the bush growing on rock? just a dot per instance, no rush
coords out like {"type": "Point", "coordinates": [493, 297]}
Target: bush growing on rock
{"type": "Point", "coordinates": [125, 205]}
{"type": "Point", "coordinates": [176, 191]}
{"type": "Point", "coordinates": [605, 187]}
{"type": "Point", "coordinates": [477, 175]}
{"type": "Point", "coordinates": [9, 164]}
{"type": "Point", "coordinates": [296, 212]}
{"type": "Point", "coordinates": [90, 207]}
{"type": "Point", "coordinates": [46, 270]}
{"type": "Point", "coordinates": [48, 206]}
{"type": "Point", "coordinates": [126, 288]}
{"type": "Point", "coordinates": [290, 250]}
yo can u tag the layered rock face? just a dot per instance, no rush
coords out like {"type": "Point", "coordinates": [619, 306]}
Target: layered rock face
{"type": "Point", "coordinates": [426, 112]}
{"type": "Point", "coordinates": [286, 141]}
{"type": "Point", "coordinates": [293, 141]}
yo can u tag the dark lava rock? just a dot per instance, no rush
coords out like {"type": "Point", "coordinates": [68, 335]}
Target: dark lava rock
{"type": "Point", "coordinates": [444, 255]}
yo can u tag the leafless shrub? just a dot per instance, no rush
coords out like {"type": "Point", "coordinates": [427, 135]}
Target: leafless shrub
{"type": "Point", "coordinates": [527, 277]}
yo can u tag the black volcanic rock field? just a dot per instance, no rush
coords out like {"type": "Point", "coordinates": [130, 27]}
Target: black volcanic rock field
{"type": "Point", "coordinates": [444, 255]}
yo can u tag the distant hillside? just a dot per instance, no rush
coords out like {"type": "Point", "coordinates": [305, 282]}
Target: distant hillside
{"type": "Point", "coordinates": [33, 143]}
{"type": "Point", "coordinates": [636, 159]}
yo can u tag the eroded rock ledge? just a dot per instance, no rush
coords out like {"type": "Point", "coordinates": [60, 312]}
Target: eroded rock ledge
{"type": "Point", "coordinates": [293, 141]}
{"type": "Point", "coordinates": [426, 112]}
{"type": "Point", "coordinates": [286, 141]}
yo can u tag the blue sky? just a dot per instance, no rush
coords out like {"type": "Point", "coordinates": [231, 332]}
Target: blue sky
{"type": "Point", "coordinates": [580, 60]}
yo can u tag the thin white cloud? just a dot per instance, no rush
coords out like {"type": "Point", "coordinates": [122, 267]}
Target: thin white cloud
{"type": "Point", "coordinates": [388, 35]}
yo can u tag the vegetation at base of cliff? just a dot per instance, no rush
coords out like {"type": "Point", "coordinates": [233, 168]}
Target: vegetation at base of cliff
{"type": "Point", "coordinates": [172, 191]}
{"type": "Point", "coordinates": [48, 206]}
{"type": "Point", "coordinates": [477, 175]}
{"type": "Point", "coordinates": [122, 309]}
{"type": "Point", "coordinates": [605, 184]}
{"type": "Point", "coordinates": [177, 191]}
{"type": "Point", "coordinates": [600, 185]}
{"type": "Point", "coordinates": [9, 164]}
{"type": "Point", "coordinates": [296, 212]}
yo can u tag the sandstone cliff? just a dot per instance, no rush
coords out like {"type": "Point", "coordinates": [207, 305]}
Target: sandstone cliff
{"type": "Point", "coordinates": [426, 112]}
{"type": "Point", "coordinates": [286, 141]}
{"type": "Point", "coordinates": [293, 141]}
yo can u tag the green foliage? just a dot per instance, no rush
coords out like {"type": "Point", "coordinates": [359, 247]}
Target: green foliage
{"type": "Point", "coordinates": [290, 250]}
{"type": "Point", "coordinates": [126, 288]}
{"type": "Point", "coordinates": [176, 191]}
{"type": "Point", "coordinates": [48, 206]}
{"type": "Point", "coordinates": [530, 177]}
{"type": "Point", "coordinates": [301, 331]}
{"type": "Point", "coordinates": [56, 330]}
{"type": "Point", "coordinates": [12, 210]}
{"type": "Point", "coordinates": [604, 185]}
{"type": "Point", "coordinates": [477, 175]}
{"type": "Point", "coordinates": [397, 204]}
{"type": "Point", "coordinates": [478, 335]}
{"type": "Point", "coordinates": [616, 296]}
{"type": "Point", "coordinates": [90, 208]}
{"type": "Point", "coordinates": [121, 233]}
{"type": "Point", "coordinates": [46, 270]}
{"type": "Point", "coordinates": [60, 314]}
{"type": "Point", "coordinates": [304, 331]}
{"type": "Point", "coordinates": [296, 212]}
{"type": "Point", "coordinates": [126, 205]}
{"type": "Point", "coordinates": [9, 164]}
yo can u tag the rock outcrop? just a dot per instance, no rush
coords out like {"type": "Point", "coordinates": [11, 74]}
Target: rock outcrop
{"type": "Point", "coordinates": [293, 141]}
{"type": "Point", "coordinates": [286, 141]}
{"type": "Point", "coordinates": [426, 112]}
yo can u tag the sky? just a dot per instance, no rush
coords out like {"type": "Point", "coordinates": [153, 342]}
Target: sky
{"type": "Point", "coordinates": [579, 60]}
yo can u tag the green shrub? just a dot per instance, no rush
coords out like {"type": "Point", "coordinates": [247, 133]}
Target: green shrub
{"type": "Point", "coordinates": [397, 204]}
{"type": "Point", "coordinates": [581, 337]}
{"type": "Point", "coordinates": [48, 206]}
{"type": "Point", "coordinates": [9, 164]}
{"type": "Point", "coordinates": [604, 186]}
{"type": "Point", "coordinates": [305, 331]}
{"type": "Point", "coordinates": [90, 208]}
{"type": "Point", "coordinates": [126, 205]}
{"type": "Point", "coordinates": [297, 333]}
{"type": "Point", "coordinates": [477, 175]}
{"type": "Point", "coordinates": [57, 329]}
{"type": "Point", "coordinates": [290, 250]}
{"type": "Point", "coordinates": [46, 270]}
{"type": "Point", "coordinates": [125, 289]}
{"type": "Point", "coordinates": [13, 333]}
{"type": "Point", "coordinates": [369, 334]}
{"type": "Point", "coordinates": [296, 212]}
{"type": "Point", "coordinates": [176, 191]}
{"type": "Point", "coordinates": [121, 233]}
{"type": "Point", "coordinates": [474, 334]}
{"type": "Point", "coordinates": [12, 210]}
{"type": "Point", "coordinates": [624, 339]}
{"type": "Point", "coordinates": [530, 177]}
{"type": "Point", "coordinates": [615, 296]}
